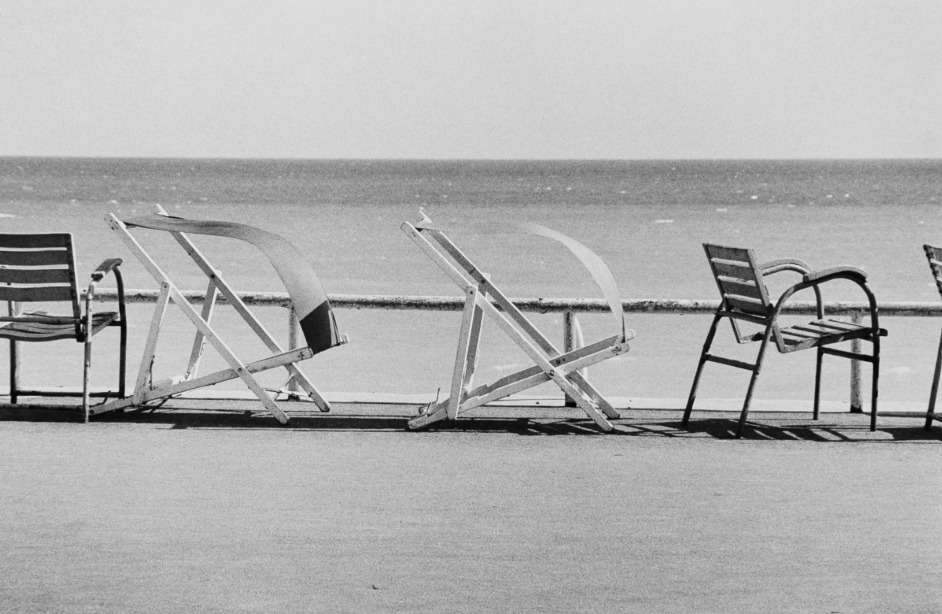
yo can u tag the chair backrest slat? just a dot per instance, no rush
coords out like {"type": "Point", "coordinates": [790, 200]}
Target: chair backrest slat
{"type": "Point", "coordinates": [35, 275]}
{"type": "Point", "coordinates": [738, 279]}
{"type": "Point", "coordinates": [38, 268]}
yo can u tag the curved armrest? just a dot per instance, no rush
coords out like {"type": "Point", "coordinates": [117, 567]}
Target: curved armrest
{"type": "Point", "coordinates": [839, 272]}
{"type": "Point", "coordinates": [813, 279]}
{"type": "Point", "coordinates": [785, 264]}
{"type": "Point", "coordinates": [108, 266]}
{"type": "Point", "coordinates": [104, 268]}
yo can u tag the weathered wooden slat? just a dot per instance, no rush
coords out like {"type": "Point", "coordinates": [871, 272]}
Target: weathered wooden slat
{"type": "Point", "coordinates": [24, 294]}
{"type": "Point", "coordinates": [35, 276]}
{"type": "Point", "coordinates": [736, 271]}
{"type": "Point", "coordinates": [736, 285]}
{"type": "Point", "coordinates": [746, 303]}
{"type": "Point", "coordinates": [55, 239]}
{"type": "Point", "coordinates": [728, 253]}
{"type": "Point", "coordinates": [44, 257]}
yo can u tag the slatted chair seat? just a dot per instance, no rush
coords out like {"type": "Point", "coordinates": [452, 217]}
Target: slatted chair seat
{"type": "Point", "coordinates": [821, 332]}
{"type": "Point", "coordinates": [745, 298]}
{"type": "Point", "coordinates": [40, 268]}
{"type": "Point", "coordinates": [37, 326]}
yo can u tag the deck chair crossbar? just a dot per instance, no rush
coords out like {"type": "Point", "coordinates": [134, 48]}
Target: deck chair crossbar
{"type": "Point", "coordinates": [146, 390]}
{"type": "Point", "coordinates": [483, 298]}
{"type": "Point", "coordinates": [745, 298]}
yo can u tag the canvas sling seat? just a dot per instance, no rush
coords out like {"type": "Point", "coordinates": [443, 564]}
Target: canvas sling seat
{"type": "Point", "coordinates": [483, 297]}
{"type": "Point", "coordinates": [308, 302]}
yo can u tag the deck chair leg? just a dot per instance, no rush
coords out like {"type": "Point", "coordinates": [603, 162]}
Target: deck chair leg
{"type": "Point", "coordinates": [933, 393]}
{"type": "Point", "coordinates": [464, 353]}
{"type": "Point", "coordinates": [696, 378]}
{"type": "Point", "coordinates": [817, 383]}
{"type": "Point", "coordinates": [583, 384]}
{"type": "Point", "coordinates": [752, 382]}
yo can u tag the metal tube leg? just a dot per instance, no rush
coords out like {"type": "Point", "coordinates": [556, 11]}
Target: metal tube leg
{"type": "Point", "coordinates": [14, 376]}
{"type": "Point", "coordinates": [752, 382]}
{"type": "Point", "coordinates": [696, 378]}
{"type": "Point", "coordinates": [876, 377]}
{"type": "Point", "coordinates": [85, 375]}
{"type": "Point", "coordinates": [817, 384]}
{"type": "Point", "coordinates": [930, 412]}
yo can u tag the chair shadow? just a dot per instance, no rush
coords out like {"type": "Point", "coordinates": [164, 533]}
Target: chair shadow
{"type": "Point", "coordinates": [633, 423]}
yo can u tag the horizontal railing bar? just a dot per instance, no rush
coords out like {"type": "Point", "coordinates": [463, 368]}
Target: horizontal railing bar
{"type": "Point", "coordinates": [541, 305]}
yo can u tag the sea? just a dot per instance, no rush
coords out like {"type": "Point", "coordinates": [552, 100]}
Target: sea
{"type": "Point", "coordinates": [646, 219]}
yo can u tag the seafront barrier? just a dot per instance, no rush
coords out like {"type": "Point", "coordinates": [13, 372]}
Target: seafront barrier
{"type": "Point", "coordinates": [569, 307]}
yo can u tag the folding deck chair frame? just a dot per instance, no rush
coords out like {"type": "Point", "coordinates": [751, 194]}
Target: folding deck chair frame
{"type": "Point", "coordinates": [483, 297]}
{"type": "Point", "coordinates": [146, 390]}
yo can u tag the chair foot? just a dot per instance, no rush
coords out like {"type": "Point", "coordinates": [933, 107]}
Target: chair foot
{"type": "Point", "coordinates": [427, 416]}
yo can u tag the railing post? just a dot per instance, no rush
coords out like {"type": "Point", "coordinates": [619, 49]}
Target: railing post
{"type": "Point", "coordinates": [572, 339]}
{"type": "Point", "coordinates": [293, 328]}
{"type": "Point", "coordinates": [856, 403]}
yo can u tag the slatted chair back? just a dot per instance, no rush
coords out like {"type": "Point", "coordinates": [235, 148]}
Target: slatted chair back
{"type": "Point", "coordinates": [934, 255]}
{"type": "Point", "coordinates": [739, 280]}
{"type": "Point", "coordinates": [38, 268]}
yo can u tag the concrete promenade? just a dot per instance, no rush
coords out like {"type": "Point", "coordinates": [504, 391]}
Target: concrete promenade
{"type": "Point", "coordinates": [211, 506]}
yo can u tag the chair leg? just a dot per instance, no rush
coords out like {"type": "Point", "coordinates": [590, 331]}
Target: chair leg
{"type": "Point", "coordinates": [930, 412]}
{"type": "Point", "coordinates": [14, 360]}
{"type": "Point", "coordinates": [752, 381]}
{"type": "Point", "coordinates": [874, 387]}
{"type": "Point", "coordinates": [817, 384]}
{"type": "Point", "coordinates": [696, 378]}
{"type": "Point", "coordinates": [123, 359]}
{"type": "Point", "coordinates": [85, 372]}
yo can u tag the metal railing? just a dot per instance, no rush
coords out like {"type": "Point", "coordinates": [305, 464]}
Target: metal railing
{"type": "Point", "coordinates": [569, 307]}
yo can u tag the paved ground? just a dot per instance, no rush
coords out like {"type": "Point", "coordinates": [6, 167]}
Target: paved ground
{"type": "Point", "coordinates": [225, 511]}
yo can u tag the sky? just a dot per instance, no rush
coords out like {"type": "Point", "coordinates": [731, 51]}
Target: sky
{"type": "Point", "coordinates": [450, 79]}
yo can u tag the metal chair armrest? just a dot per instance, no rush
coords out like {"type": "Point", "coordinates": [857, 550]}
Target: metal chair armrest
{"type": "Point", "coordinates": [111, 265]}
{"type": "Point", "coordinates": [104, 268]}
{"type": "Point", "coordinates": [785, 264]}
{"type": "Point", "coordinates": [851, 273]}
{"type": "Point", "coordinates": [814, 279]}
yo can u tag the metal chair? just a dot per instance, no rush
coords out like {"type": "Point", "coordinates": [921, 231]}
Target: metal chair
{"type": "Point", "coordinates": [40, 268]}
{"type": "Point", "coordinates": [745, 298]}
{"type": "Point", "coordinates": [934, 255]}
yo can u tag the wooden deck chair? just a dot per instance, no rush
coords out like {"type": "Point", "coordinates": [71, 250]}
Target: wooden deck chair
{"type": "Point", "coordinates": [40, 268]}
{"type": "Point", "coordinates": [484, 297]}
{"type": "Point", "coordinates": [308, 302]}
{"type": "Point", "coordinates": [745, 298]}
{"type": "Point", "coordinates": [934, 255]}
